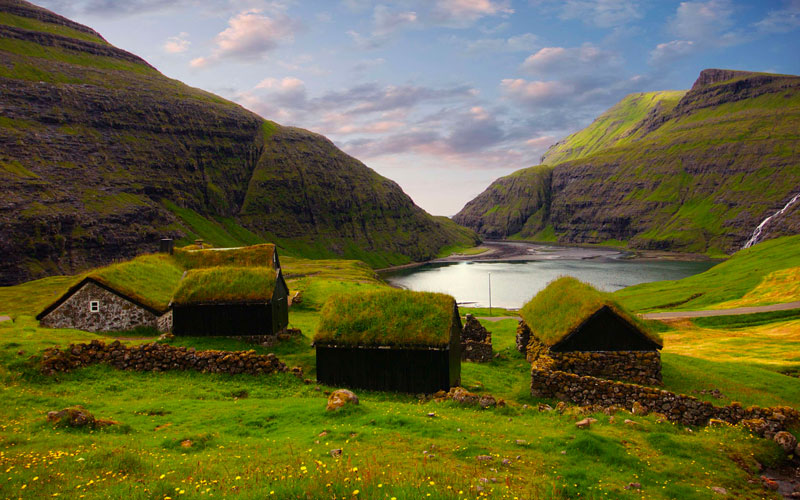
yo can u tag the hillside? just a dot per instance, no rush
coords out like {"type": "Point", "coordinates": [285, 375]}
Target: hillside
{"type": "Point", "coordinates": [102, 155]}
{"type": "Point", "coordinates": [695, 171]}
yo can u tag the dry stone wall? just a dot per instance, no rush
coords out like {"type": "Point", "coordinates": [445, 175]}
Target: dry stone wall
{"type": "Point", "coordinates": [523, 337]}
{"type": "Point", "coordinates": [588, 391]}
{"type": "Point", "coordinates": [160, 357]}
{"type": "Point", "coordinates": [116, 314]}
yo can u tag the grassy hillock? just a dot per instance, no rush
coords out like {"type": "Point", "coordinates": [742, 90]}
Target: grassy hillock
{"type": "Point", "coordinates": [693, 171]}
{"type": "Point", "coordinates": [260, 255]}
{"type": "Point", "coordinates": [387, 318]}
{"type": "Point", "coordinates": [565, 303]}
{"type": "Point", "coordinates": [104, 156]}
{"type": "Point", "coordinates": [755, 276]}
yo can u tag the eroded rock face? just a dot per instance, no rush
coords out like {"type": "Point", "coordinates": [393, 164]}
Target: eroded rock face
{"type": "Point", "coordinates": [340, 398]}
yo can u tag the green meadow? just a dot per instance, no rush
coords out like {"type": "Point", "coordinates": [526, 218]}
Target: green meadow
{"type": "Point", "coordinates": [195, 435]}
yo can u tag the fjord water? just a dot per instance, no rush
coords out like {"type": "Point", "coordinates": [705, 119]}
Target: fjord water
{"type": "Point", "coordinates": [516, 281]}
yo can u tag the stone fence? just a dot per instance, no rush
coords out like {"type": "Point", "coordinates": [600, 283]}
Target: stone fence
{"type": "Point", "coordinates": [588, 390]}
{"type": "Point", "coordinates": [160, 357]}
{"type": "Point", "coordinates": [476, 341]}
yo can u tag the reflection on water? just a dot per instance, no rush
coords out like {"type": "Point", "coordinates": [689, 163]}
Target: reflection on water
{"type": "Point", "coordinates": [514, 282]}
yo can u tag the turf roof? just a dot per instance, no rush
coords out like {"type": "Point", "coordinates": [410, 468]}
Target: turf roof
{"type": "Point", "coordinates": [565, 303]}
{"type": "Point", "coordinates": [250, 256]}
{"type": "Point", "coordinates": [149, 279]}
{"type": "Point", "coordinates": [225, 284]}
{"type": "Point", "coordinates": [387, 318]}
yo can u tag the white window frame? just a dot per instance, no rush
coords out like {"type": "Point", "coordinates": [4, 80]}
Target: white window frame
{"type": "Point", "coordinates": [94, 306]}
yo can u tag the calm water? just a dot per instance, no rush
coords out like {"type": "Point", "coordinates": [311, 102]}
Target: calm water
{"type": "Point", "coordinates": [514, 282]}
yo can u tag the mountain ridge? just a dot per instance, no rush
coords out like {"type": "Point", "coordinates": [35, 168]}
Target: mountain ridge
{"type": "Point", "coordinates": [696, 174]}
{"type": "Point", "coordinates": [103, 156]}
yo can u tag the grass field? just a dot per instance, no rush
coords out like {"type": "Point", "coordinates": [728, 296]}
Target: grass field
{"type": "Point", "coordinates": [760, 275]}
{"type": "Point", "coordinates": [193, 435]}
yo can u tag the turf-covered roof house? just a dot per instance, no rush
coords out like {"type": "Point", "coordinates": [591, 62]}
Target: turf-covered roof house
{"type": "Point", "coordinates": [227, 300]}
{"type": "Point", "coordinates": [119, 297]}
{"type": "Point", "coordinates": [586, 331]}
{"type": "Point", "coordinates": [392, 340]}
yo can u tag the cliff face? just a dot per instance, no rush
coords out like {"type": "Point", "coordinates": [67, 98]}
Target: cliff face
{"type": "Point", "coordinates": [102, 155]}
{"type": "Point", "coordinates": [693, 172]}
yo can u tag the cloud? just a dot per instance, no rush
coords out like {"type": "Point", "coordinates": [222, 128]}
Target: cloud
{"type": "Point", "coordinates": [561, 60]}
{"type": "Point", "coordinates": [665, 53]}
{"type": "Point", "coordinates": [781, 20]}
{"type": "Point", "coordinates": [251, 34]}
{"type": "Point", "coordinates": [701, 20]}
{"type": "Point", "coordinates": [525, 42]}
{"type": "Point", "coordinates": [543, 93]}
{"type": "Point", "coordinates": [385, 24]}
{"type": "Point", "coordinates": [177, 44]}
{"type": "Point", "coordinates": [601, 13]}
{"type": "Point", "coordinates": [461, 13]}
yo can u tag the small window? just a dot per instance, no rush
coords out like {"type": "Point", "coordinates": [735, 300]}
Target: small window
{"type": "Point", "coordinates": [94, 306]}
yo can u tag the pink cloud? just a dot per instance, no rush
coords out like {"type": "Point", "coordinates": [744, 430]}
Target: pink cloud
{"type": "Point", "coordinates": [535, 91]}
{"type": "Point", "coordinates": [250, 35]}
{"type": "Point", "coordinates": [177, 44]}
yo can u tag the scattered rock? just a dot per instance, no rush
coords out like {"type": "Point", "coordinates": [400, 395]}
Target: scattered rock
{"type": "Point", "coordinates": [74, 416]}
{"type": "Point", "coordinates": [639, 409]}
{"type": "Point", "coordinates": [164, 337]}
{"type": "Point", "coordinates": [787, 441]}
{"type": "Point", "coordinates": [563, 452]}
{"type": "Point", "coordinates": [545, 407]}
{"type": "Point", "coordinates": [506, 461]}
{"type": "Point", "coordinates": [634, 486]}
{"type": "Point", "coordinates": [322, 434]}
{"type": "Point", "coordinates": [715, 422]}
{"type": "Point", "coordinates": [521, 442]}
{"type": "Point", "coordinates": [630, 422]}
{"type": "Point", "coordinates": [585, 423]}
{"type": "Point", "coordinates": [340, 398]}
{"type": "Point", "coordinates": [719, 490]}
{"type": "Point", "coordinates": [484, 458]}
{"type": "Point", "coordinates": [187, 443]}
{"type": "Point", "coordinates": [337, 452]}
{"type": "Point", "coordinates": [770, 483]}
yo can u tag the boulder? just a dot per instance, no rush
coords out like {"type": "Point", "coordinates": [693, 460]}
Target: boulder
{"type": "Point", "coordinates": [340, 398]}
{"type": "Point", "coordinates": [786, 440]}
{"type": "Point", "coordinates": [74, 416]}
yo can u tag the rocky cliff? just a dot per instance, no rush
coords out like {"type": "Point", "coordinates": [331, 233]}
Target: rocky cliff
{"type": "Point", "coordinates": [102, 155]}
{"type": "Point", "coordinates": [690, 171]}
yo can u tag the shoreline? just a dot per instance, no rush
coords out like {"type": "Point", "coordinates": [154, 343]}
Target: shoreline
{"type": "Point", "coordinates": [510, 250]}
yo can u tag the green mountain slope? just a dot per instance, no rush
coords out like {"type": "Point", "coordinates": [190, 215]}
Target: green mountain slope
{"type": "Point", "coordinates": [102, 156]}
{"type": "Point", "coordinates": [696, 172]}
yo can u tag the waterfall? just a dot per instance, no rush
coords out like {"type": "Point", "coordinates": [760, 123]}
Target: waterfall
{"type": "Point", "coordinates": [757, 233]}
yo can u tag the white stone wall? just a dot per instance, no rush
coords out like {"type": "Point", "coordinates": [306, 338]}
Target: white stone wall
{"type": "Point", "coordinates": [115, 314]}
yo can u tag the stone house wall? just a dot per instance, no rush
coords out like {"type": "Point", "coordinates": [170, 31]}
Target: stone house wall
{"type": "Point", "coordinates": [165, 322]}
{"type": "Point", "coordinates": [640, 367]}
{"type": "Point", "coordinates": [115, 314]}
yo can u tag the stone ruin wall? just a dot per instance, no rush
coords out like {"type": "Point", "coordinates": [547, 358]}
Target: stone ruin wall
{"type": "Point", "coordinates": [688, 410]}
{"type": "Point", "coordinates": [476, 341]}
{"type": "Point", "coordinates": [160, 357]}
{"type": "Point", "coordinates": [640, 367]}
{"type": "Point", "coordinates": [116, 314]}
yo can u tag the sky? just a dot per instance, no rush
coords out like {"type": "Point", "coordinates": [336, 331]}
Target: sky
{"type": "Point", "coordinates": [443, 96]}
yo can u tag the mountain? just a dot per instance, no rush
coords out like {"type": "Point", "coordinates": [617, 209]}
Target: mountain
{"type": "Point", "coordinates": [102, 156]}
{"type": "Point", "coordinates": [689, 171]}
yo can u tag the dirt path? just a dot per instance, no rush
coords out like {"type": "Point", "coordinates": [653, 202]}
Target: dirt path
{"type": "Point", "coordinates": [723, 312]}
{"type": "Point", "coordinates": [495, 318]}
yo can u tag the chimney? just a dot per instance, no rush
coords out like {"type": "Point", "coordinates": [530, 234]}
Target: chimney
{"type": "Point", "coordinates": [166, 246]}
{"type": "Point", "coordinates": [199, 243]}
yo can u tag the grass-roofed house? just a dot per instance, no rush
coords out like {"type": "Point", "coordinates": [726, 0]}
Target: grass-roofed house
{"type": "Point", "coordinates": [578, 329]}
{"type": "Point", "coordinates": [120, 297]}
{"type": "Point", "coordinates": [390, 340]}
{"type": "Point", "coordinates": [231, 292]}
